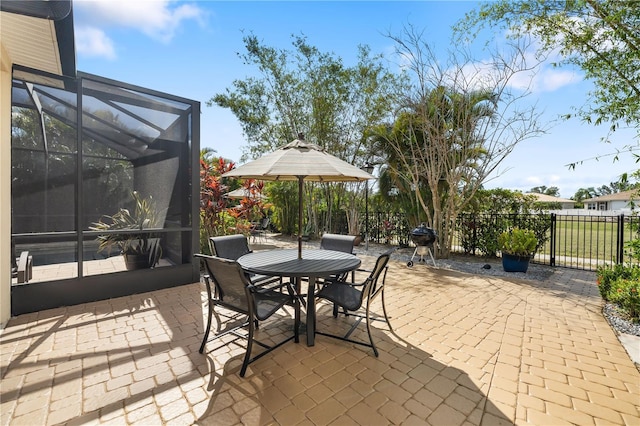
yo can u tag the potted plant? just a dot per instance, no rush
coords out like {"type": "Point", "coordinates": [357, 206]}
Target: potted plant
{"type": "Point", "coordinates": [140, 249]}
{"type": "Point", "coordinates": [517, 247]}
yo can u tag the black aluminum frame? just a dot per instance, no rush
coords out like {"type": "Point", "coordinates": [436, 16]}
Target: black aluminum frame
{"type": "Point", "coordinates": [38, 296]}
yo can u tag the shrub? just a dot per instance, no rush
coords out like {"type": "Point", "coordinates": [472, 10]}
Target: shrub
{"type": "Point", "coordinates": [489, 229]}
{"type": "Point", "coordinates": [620, 284]}
{"type": "Point", "coordinates": [606, 274]}
{"type": "Point", "coordinates": [491, 212]}
{"type": "Point", "coordinates": [626, 294]}
{"type": "Point", "coordinates": [632, 249]}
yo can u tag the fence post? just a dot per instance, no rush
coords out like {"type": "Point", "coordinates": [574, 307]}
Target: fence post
{"type": "Point", "coordinates": [552, 241]}
{"type": "Point", "coordinates": [620, 240]}
{"type": "Point", "coordinates": [474, 232]}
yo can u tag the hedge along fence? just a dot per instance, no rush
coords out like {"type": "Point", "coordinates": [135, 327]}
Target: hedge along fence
{"type": "Point", "coordinates": [573, 241]}
{"type": "Point", "coordinates": [478, 233]}
{"type": "Point", "coordinates": [473, 234]}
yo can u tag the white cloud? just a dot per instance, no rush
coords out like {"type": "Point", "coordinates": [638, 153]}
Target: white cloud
{"type": "Point", "coordinates": [533, 180]}
{"type": "Point", "coordinates": [549, 80]}
{"type": "Point", "coordinates": [94, 42]}
{"type": "Point", "coordinates": [158, 19]}
{"type": "Point", "coordinates": [544, 78]}
{"type": "Point", "coordinates": [539, 74]}
{"type": "Point", "coordinates": [554, 179]}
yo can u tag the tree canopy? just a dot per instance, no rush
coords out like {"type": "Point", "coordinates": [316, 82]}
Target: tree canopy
{"type": "Point", "coordinates": [554, 191]}
{"type": "Point", "coordinates": [456, 124]}
{"type": "Point", "coordinates": [304, 90]}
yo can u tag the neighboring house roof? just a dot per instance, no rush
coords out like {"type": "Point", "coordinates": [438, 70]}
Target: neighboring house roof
{"type": "Point", "coordinates": [39, 35]}
{"type": "Point", "coordinates": [544, 198]}
{"type": "Point", "coordinates": [618, 196]}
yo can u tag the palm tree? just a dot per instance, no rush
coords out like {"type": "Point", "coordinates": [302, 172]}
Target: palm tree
{"type": "Point", "coordinates": [435, 154]}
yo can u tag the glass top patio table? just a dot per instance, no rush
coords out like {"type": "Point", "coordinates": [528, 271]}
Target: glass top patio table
{"type": "Point", "coordinates": [313, 264]}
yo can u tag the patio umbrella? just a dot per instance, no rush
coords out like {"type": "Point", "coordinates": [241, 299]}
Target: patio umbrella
{"type": "Point", "coordinates": [241, 193]}
{"type": "Point", "coordinates": [299, 161]}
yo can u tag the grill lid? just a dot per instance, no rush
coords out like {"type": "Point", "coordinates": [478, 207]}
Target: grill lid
{"type": "Point", "coordinates": [423, 235]}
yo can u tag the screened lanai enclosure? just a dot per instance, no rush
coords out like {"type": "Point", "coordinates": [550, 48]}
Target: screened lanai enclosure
{"type": "Point", "coordinates": [80, 148]}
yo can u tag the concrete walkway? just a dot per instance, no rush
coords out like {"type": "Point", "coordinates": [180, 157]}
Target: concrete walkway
{"type": "Point", "coordinates": [464, 350]}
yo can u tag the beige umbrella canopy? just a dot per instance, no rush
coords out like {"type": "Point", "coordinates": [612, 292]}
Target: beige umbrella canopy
{"type": "Point", "coordinates": [244, 193]}
{"type": "Point", "coordinates": [299, 161]}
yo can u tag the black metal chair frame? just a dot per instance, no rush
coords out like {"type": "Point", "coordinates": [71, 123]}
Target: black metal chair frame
{"type": "Point", "coordinates": [258, 304]}
{"type": "Point", "coordinates": [351, 298]}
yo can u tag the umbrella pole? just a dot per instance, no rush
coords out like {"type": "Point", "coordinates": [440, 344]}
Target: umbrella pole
{"type": "Point", "coordinates": [300, 183]}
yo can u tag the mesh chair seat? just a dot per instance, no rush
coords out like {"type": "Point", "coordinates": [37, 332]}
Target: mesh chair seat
{"type": "Point", "coordinates": [338, 242]}
{"type": "Point", "coordinates": [230, 246]}
{"type": "Point", "coordinates": [344, 295]}
{"type": "Point", "coordinates": [268, 302]}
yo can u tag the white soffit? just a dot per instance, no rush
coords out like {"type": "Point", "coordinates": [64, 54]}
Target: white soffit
{"type": "Point", "coordinates": [30, 42]}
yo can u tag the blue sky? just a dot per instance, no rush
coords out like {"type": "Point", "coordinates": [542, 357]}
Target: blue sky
{"type": "Point", "coordinates": [189, 49]}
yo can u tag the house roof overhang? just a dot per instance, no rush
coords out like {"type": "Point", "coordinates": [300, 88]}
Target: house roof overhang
{"type": "Point", "coordinates": [616, 196]}
{"type": "Point", "coordinates": [39, 35]}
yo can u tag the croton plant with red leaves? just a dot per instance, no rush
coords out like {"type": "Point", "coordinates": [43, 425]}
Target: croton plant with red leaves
{"type": "Point", "coordinates": [216, 209]}
{"type": "Point", "coordinates": [212, 201]}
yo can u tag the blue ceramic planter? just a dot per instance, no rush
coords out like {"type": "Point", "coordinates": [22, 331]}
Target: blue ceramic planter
{"type": "Point", "coordinates": [512, 263]}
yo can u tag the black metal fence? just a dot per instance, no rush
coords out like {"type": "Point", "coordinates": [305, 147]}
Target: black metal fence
{"type": "Point", "coordinates": [388, 228]}
{"type": "Point", "coordinates": [571, 241]}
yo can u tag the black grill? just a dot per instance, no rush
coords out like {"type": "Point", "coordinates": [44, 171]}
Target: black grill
{"type": "Point", "coordinates": [423, 235]}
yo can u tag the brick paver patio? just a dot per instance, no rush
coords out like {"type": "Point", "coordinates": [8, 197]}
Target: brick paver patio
{"type": "Point", "coordinates": [464, 350]}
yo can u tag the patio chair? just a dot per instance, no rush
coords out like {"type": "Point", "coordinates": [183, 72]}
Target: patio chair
{"type": "Point", "coordinates": [354, 298]}
{"type": "Point", "coordinates": [259, 230]}
{"type": "Point", "coordinates": [235, 292]}
{"type": "Point", "coordinates": [338, 242]}
{"type": "Point", "coordinates": [229, 246]}
{"type": "Point", "coordinates": [232, 247]}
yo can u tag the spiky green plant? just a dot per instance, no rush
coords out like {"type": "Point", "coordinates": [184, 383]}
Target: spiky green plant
{"type": "Point", "coordinates": [145, 216]}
